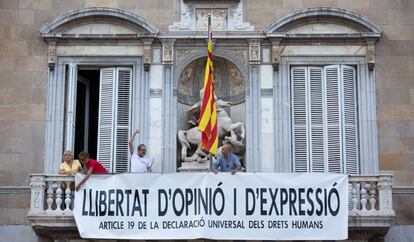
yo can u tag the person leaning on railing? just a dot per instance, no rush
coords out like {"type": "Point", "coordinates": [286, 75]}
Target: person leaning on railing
{"type": "Point", "coordinates": [93, 167]}
{"type": "Point", "coordinates": [69, 166]}
{"type": "Point", "coordinates": [228, 162]}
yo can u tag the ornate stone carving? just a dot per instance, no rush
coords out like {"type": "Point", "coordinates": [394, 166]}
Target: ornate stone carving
{"type": "Point", "coordinates": [168, 52]}
{"type": "Point", "coordinates": [186, 19]}
{"type": "Point", "coordinates": [236, 80]}
{"type": "Point", "coordinates": [371, 54]}
{"type": "Point", "coordinates": [236, 22]}
{"type": "Point", "coordinates": [180, 54]}
{"type": "Point", "coordinates": [37, 184]}
{"type": "Point", "coordinates": [385, 193]}
{"type": "Point", "coordinates": [225, 16]}
{"type": "Point", "coordinates": [186, 78]}
{"type": "Point", "coordinates": [218, 19]}
{"type": "Point", "coordinates": [277, 50]}
{"type": "Point", "coordinates": [147, 54]}
{"type": "Point", "coordinates": [241, 54]}
{"type": "Point", "coordinates": [51, 54]}
{"type": "Point", "coordinates": [228, 81]}
{"type": "Point", "coordinates": [254, 52]}
{"type": "Point", "coordinates": [226, 132]}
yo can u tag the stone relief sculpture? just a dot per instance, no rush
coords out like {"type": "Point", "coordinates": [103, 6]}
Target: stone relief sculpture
{"type": "Point", "coordinates": [228, 132]}
{"type": "Point", "coordinates": [186, 19]}
{"type": "Point", "coordinates": [226, 15]}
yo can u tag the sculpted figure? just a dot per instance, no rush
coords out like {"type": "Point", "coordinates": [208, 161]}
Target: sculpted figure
{"type": "Point", "coordinates": [226, 132]}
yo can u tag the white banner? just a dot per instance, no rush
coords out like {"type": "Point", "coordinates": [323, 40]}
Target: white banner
{"type": "Point", "coordinates": [244, 206]}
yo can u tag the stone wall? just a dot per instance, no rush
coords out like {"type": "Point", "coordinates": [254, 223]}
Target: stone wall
{"type": "Point", "coordinates": [23, 81]}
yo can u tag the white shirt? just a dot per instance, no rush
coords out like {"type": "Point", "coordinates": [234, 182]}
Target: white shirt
{"type": "Point", "coordinates": [140, 164]}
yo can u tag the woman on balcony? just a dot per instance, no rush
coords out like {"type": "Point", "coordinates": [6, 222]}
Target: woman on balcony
{"type": "Point", "coordinates": [69, 166]}
{"type": "Point", "coordinates": [93, 167]}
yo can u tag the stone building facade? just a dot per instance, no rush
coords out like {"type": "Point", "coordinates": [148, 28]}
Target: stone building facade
{"type": "Point", "coordinates": [56, 57]}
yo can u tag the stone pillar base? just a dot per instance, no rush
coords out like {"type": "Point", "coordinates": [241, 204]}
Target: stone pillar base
{"type": "Point", "coordinates": [194, 167]}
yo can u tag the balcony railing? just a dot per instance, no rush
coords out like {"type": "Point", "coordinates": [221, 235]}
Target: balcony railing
{"type": "Point", "coordinates": [370, 203]}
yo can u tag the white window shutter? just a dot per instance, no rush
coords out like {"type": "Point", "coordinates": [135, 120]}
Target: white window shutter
{"type": "Point", "coordinates": [333, 118]}
{"type": "Point", "coordinates": [106, 117]}
{"type": "Point", "coordinates": [123, 110]}
{"type": "Point", "coordinates": [299, 119]}
{"type": "Point", "coordinates": [316, 120]}
{"type": "Point", "coordinates": [350, 127]}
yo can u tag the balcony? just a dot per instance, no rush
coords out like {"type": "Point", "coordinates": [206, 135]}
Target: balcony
{"type": "Point", "coordinates": [371, 212]}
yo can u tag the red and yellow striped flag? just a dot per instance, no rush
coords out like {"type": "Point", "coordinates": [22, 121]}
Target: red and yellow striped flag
{"type": "Point", "coordinates": [208, 111]}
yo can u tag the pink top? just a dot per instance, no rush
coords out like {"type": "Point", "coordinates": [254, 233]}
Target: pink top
{"type": "Point", "coordinates": [97, 167]}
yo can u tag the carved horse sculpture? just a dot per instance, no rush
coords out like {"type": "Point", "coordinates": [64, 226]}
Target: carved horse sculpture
{"type": "Point", "coordinates": [192, 136]}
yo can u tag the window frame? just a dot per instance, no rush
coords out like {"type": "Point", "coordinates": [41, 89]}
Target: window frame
{"type": "Point", "coordinates": [367, 126]}
{"type": "Point", "coordinates": [58, 130]}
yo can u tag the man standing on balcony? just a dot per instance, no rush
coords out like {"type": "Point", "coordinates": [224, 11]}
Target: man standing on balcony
{"type": "Point", "coordinates": [93, 167]}
{"type": "Point", "coordinates": [229, 162]}
{"type": "Point", "coordinates": [140, 162]}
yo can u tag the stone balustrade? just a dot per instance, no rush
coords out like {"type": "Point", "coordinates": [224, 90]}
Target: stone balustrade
{"type": "Point", "coordinates": [52, 198]}
{"type": "Point", "coordinates": [368, 195]}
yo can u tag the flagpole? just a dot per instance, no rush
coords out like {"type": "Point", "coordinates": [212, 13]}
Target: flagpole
{"type": "Point", "coordinates": [210, 36]}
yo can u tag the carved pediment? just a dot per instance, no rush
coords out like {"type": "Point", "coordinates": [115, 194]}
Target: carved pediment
{"type": "Point", "coordinates": [323, 23]}
{"type": "Point", "coordinates": [99, 26]}
{"type": "Point", "coordinates": [98, 23]}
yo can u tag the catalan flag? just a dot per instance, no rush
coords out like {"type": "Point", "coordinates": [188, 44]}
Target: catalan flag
{"type": "Point", "coordinates": [208, 111]}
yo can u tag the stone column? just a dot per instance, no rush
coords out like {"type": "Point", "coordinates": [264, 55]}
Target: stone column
{"type": "Point", "coordinates": [155, 111]}
{"type": "Point", "coordinates": [267, 135]}
{"type": "Point", "coordinates": [281, 111]}
{"type": "Point", "coordinates": [169, 101]}
{"type": "Point", "coordinates": [368, 117]}
{"type": "Point", "coordinates": [70, 118]}
{"type": "Point", "coordinates": [253, 146]}
{"type": "Point", "coordinates": [144, 120]}
{"type": "Point", "coordinates": [54, 118]}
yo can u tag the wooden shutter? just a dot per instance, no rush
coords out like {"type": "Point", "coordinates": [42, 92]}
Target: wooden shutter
{"type": "Point", "coordinates": [106, 117]}
{"type": "Point", "coordinates": [123, 121]}
{"type": "Point", "coordinates": [350, 127]}
{"type": "Point", "coordinates": [299, 119]}
{"type": "Point", "coordinates": [324, 119]}
{"type": "Point", "coordinates": [114, 118]}
{"type": "Point", "coordinates": [316, 120]}
{"type": "Point", "coordinates": [333, 118]}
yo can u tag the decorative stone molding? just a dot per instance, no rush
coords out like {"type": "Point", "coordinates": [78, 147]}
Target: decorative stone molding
{"type": "Point", "coordinates": [277, 50]}
{"type": "Point", "coordinates": [37, 184]}
{"type": "Point", "coordinates": [227, 16]}
{"type": "Point", "coordinates": [369, 28]}
{"type": "Point", "coordinates": [52, 29]}
{"type": "Point", "coordinates": [181, 54]}
{"type": "Point", "coordinates": [385, 193]}
{"type": "Point", "coordinates": [168, 51]}
{"type": "Point", "coordinates": [218, 19]}
{"type": "Point", "coordinates": [254, 52]}
{"type": "Point", "coordinates": [147, 54]}
{"type": "Point", "coordinates": [371, 54]}
{"type": "Point", "coordinates": [51, 54]}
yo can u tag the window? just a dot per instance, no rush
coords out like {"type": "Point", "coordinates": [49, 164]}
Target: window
{"type": "Point", "coordinates": [324, 119]}
{"type": "Point", "coordinates": [103, 114]}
